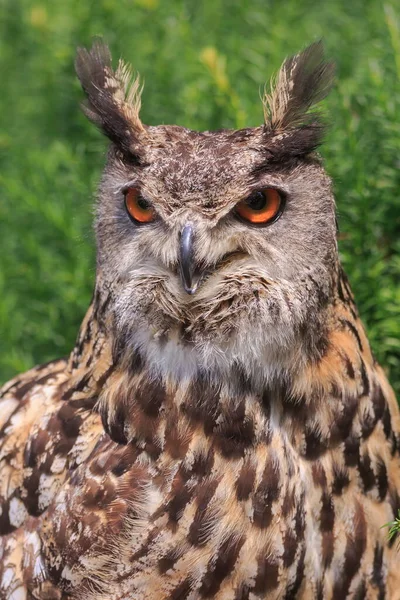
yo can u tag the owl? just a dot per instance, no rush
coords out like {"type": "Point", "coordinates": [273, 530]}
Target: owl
{"type": "Point", "coordinates": [221, 428]}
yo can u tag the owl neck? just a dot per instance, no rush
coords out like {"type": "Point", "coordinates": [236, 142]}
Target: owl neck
{"type": "Point", "coordinates": [161, 413]}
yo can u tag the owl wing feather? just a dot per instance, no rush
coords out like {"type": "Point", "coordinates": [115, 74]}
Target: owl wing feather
{"type": "Point", "coordinates": [43, 440]}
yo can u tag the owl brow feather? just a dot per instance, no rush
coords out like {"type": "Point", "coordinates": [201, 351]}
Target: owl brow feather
{"type": "Point", "coordinates": [292, 128]}
{"type": "Point", "coordinates": [113, 97]}
{"type": "Point", "coordinates": [302, 82]}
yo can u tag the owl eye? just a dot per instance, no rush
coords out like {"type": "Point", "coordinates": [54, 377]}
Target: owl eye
{"type": "Point", "coordinates": [261, 207]}
{"type": "Point", "coordinates": [137, 207]}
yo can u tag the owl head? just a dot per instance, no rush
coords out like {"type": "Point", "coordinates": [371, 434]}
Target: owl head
{"type": "Point", "coordinates": [216, 249]}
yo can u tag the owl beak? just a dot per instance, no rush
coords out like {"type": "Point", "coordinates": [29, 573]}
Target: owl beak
{"type": "Point", "coordinates": [186, 260]}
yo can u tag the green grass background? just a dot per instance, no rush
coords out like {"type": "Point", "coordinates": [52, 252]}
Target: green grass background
{"type": "Point", "coordinates": [204, 63]}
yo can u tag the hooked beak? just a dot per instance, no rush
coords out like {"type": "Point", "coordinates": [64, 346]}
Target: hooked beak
{"type": "Point", "coordinates": [190, 278]}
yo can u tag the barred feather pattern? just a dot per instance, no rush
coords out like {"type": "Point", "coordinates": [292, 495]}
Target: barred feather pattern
{"type": "Point", "coordinates": [118, 486]}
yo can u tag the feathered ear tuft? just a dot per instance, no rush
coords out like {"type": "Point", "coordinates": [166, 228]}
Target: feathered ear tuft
{"type": "Point", "coordinates": [114, 98]}
{"type": "Point", "coordinates": [303, 80]}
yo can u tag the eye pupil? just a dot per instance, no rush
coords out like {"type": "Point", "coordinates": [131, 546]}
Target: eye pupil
{"type": "Point", "coordinates": [257, 201]}
{"type": "Point", "coordinates": [142, 203]}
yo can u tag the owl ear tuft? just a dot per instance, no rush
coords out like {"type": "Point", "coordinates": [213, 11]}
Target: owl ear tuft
{"type": "Point", "coordinates": [303, 80]}
{"type": "Point", "coordinates": [113, 97]}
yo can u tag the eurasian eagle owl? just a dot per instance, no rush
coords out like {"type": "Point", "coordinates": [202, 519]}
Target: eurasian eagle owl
{"type": "Point", "coordinates": [221, 428]}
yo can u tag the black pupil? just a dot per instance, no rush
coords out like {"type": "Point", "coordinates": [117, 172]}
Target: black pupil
{"type": "Point", "coordinates": [256, 201]}
{"type": "Point", "coordinates": [142, 203]}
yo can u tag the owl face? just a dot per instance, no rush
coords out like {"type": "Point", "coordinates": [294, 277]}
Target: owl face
{"type": "Point", "coordinates": [214, 248]}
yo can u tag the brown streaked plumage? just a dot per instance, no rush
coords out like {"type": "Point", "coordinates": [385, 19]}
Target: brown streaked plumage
{"type": "Point", "coordinates": [221, 428]}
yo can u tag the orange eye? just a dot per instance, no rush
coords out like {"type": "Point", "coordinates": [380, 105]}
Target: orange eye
{"type": "Point", "coordinates": [138, 208]}
{"type": "Point", "coordinates": [261, 207]}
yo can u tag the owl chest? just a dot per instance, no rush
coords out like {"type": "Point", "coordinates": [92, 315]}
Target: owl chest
{"type": "Point", "coordinates": [240, 527]}
{"type": "Point", "coordinates": [262, 523]}
{"type": "Point", "coordinates": [209, 527]}
{"type": "Point", "coordinates": [213, 500]}
{"type": "Point", "coordinates": [259, 527]}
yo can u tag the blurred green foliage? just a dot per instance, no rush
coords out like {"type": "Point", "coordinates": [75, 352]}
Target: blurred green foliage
{"type": "Point", "coordinates": [204, 64]}
{"type": "Point", "coordinates": [394, 529]}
